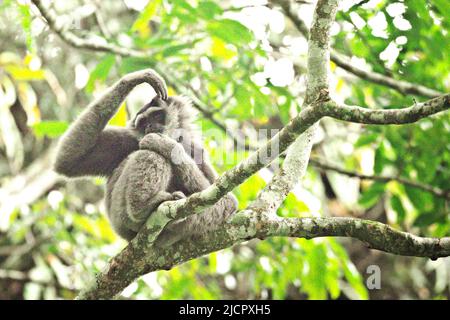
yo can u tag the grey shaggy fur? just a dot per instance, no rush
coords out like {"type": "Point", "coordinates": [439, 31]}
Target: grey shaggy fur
{"type": "Point", "coordinates": [158, 157]}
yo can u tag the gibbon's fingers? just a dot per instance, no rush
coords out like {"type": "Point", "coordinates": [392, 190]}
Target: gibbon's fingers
{"type": "Point", "coordinates": [158, 83]}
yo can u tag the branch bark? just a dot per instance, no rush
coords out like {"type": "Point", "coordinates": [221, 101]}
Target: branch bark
{"type": "Point", "coordinates": [133, 262]}
{"type": "Point", "coordinates": [386, 116]}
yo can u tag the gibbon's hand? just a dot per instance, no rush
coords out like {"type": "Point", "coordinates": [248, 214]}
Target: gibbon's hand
{"type": "Point", "coordinates": [152, 78]}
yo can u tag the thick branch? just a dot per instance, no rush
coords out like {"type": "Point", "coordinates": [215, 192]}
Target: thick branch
{"type": "Point", "coordinates": [298, 154]}
{"type": "Point", "coordinates": [386, 116]}
{"type": "Point", "coordinates": [426, 187]}
{"type": "Point", "coordinates": [342, 61]}
{"type": "Point", "coordinates": [297, 157]}
{"type": "Point", "coordinates": [374, 234]}
{"type": "Point", "coordinates": [132, 261]}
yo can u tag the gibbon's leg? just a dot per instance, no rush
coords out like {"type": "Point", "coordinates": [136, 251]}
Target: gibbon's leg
{"type": "Point", "coordinates": [193, 180]}
{"type": "Point", "coordinates": [140, 189]}
{"type": "Point", "coordinates": [198, 224]}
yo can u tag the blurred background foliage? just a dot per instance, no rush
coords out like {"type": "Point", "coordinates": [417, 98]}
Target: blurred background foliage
{"type": "Point", "coordinates": [243, 63]}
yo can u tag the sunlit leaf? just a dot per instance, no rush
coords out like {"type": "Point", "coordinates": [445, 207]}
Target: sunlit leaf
{"type": "Point", "coordinates": [120, 118]}
{"type": "Point", "coordinates": [51, 129]}
{"type": "Point", "coordinates": [230, 31]}
{"type": "Point", "coordinates": [141, 23]}
{"type": "Point", "coordinates": [209, 9]}
{"type": "Point", "coordinates": [219, 49]}
{"type": "Point", "coordinates": [100, 72]}
{"type": "Point", "coordinates": [23, 73]}
{"type": "Point", "coordinates": [397, 205]}
{"type": "Point", "coordinates": [366, 139]}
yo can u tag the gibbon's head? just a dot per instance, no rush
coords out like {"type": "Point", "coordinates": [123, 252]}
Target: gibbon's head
{"type": "Point", "coordinates": [167, 116]}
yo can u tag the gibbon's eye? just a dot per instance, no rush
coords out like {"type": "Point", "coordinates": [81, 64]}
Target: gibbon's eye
{"type": "Point", "coordinates": [159, 116]}
{"type": "Point", "coordinates": [140, 122]}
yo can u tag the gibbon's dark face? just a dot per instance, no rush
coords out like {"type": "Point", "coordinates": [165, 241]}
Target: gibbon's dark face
{"type": "Point", "coordinates": [152, 117]}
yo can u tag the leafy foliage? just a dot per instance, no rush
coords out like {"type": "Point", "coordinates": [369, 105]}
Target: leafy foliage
{"type": "Point", "coordinates": [204, 48]}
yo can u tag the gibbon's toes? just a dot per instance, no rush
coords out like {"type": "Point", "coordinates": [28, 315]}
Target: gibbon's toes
{"type": "Point", "coordinates": [177, 195]}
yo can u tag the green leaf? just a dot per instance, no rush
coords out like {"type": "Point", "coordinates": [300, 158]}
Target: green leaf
{"type": "Point", "coordinates": [244, 107]}
{"type": "Point", "coordinates": [26, 25]}
{"type": "Point", "coordinates": [230, 31]}
{"type": "Point", "coordinates": [120, 118]}
{"type": "Point", "coordinates": [173, 50]}
{"type": "Point", "coordinates": [366, 139]}
{"type": "Point", "coordinates": [371, 195]}
{"type": "Point", "coordinates": [351, 274]}
{"type": "Point", "coordinates": [423, 201]}
{"type": "Point", "coordinates": [209, 9]}
{"type": "Point", "coordinates": [397, 205]}
{"type": "Point", "coordinates": [134, 64]}
{"type": "Point", "coordinates": [443, 6]}
{"type": "Point", "coordinates": [146, 14]}
{"type": "Point", "coordinates": [100, 72]}
{"type": "Point", "coordinates": [427, 218]}
{"type": "Point", "coordinates": [314, 283]}
{"type": "Point", "coordinates": [51, 129]}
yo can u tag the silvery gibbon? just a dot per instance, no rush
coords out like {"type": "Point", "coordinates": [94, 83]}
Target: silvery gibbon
{"type": "Point", "coordinates": [138, 160]}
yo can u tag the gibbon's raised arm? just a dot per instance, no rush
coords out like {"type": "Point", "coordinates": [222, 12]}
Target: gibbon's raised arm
{"type": "Point", "coordinates": [87, 148]}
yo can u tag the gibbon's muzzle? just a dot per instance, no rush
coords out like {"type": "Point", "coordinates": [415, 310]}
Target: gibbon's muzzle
{"type": "Point", "coordinates": [155, 103]}
{"type": "Point", "coordinates": [151, 120]}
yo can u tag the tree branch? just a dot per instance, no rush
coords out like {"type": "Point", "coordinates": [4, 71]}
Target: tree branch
{"type": "Point", "coordinates": [443, 193]}
{"type": "Point", "coordinates": [386, 116]}
{"type": "Point", "coordinates": [69, 37]}
{"type": "Point", "coordinates": [133, 262]}
{"type": "Point", "coordinates": [374, 234]}
{"type": "Point", "coordinates": [401, 86]}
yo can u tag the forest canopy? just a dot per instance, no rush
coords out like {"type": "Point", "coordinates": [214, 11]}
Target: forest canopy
{"type": "Point", "coordinates": [346, 101]}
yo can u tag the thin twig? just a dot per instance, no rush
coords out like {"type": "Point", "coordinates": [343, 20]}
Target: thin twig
{"type": "Point", "coordinates": [426, 187]}
{"type": "Point", "coordinates": [342, 61]}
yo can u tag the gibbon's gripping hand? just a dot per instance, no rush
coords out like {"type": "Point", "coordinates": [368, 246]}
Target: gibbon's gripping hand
{"type": "Point", "coordinates": [151, 77]}
{"type": "Point", "coordinates": [165, 146]}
